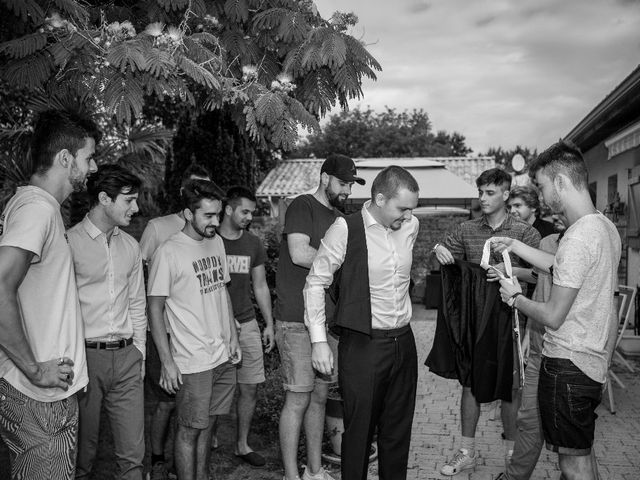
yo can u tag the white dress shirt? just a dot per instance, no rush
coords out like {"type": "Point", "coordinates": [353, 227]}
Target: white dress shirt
{"type": "Point", "coordinates": [110, 284]}
{"type": "Point", "coordinates": [390, 254]}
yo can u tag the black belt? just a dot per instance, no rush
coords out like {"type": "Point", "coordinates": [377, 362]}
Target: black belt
{"type": "Point", "coordinates": [393, 332]}
{"type": "Point", "coordinates": [113, 345]}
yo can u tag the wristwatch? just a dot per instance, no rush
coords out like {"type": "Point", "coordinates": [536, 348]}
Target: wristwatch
{"type": "Point", "coordinates": [433, 250]}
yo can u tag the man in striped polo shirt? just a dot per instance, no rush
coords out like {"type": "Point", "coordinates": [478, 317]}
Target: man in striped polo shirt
{"type": "Point", "coordinates": [466, 242]}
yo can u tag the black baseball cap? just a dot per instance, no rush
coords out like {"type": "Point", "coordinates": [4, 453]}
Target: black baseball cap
{"type": "Point", "coordinates": [342, 167]}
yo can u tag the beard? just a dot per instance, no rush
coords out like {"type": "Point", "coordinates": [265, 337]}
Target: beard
{"type": "Point", "coordinates": [336, 200]}
{"type": "Point", "coordinates": [203, 232]}
{"type": "Point", "coordinates": [76, 178]}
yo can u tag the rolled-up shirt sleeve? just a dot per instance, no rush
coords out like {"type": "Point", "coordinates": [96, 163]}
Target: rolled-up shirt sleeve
{"type": "Point", "coordinates": [328, 260]}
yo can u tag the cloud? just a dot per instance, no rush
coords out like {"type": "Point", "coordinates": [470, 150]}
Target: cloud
{"type": "Point", "coordinates": [497, 71]}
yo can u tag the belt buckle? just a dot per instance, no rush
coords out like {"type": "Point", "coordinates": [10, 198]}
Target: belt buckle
{"type": "Point", "coordinates": [114, 345]}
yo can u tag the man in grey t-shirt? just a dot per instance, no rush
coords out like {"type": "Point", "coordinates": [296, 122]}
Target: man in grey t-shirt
{"type": "Point", "coordinates": [579, 316]}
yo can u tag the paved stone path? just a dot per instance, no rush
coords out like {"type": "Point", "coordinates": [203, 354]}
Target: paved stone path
{"type": "Point", "coordinates": [436, 430]}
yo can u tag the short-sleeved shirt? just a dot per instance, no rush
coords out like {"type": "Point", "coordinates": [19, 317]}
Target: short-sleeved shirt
{"type": "Point", "coordinates": [542, 292]}
{"type": "Point", "coordinates": [545, 228]}
{"type": "Point", "coordinates": [243, 254]}
{"type": "Point", "coordinates": [467, 240]}
{"type": "Point", "coordinates": [587, 260]}
{"type": "Point", "coordinates": [308, 216]}
{"type": "Point", "coordinates": [47, 296]}
{"type": "Point", "coordinates": [157, 231]}
{"type": "Point", "coordinates": [192, 275]}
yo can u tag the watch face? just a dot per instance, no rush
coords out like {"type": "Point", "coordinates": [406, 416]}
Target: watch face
{"type": "Point", "coordinates": [518, 162]}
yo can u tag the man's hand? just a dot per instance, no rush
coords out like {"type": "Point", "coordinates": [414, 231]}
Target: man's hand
{"type": "Point", "coordinates": [170, 377]}
{"type": "Point", "coordinates": [443, 255]}
{"type": "Point", "coordinates": [56, 373]}
{"type": "Point", "coordinates": [322, 358]}
{"type": "Point", "coordinates": [500, 244]}
{"type": "Point", "coordinates": [494, 272]}
{"type": "Point", "coordinates": [235, 354]}
{"type": "Point", "coordinates": [508, 288]}
{"type": "Point", "coordinates": [268, 338]}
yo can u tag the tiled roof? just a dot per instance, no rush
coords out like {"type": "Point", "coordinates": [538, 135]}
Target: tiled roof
{"type": "Point", "coordinates": [294, 176]}
{"type": "Point", "coordinates": [291, 177]}
{"type": "Point", "coordinates": [467, 168]}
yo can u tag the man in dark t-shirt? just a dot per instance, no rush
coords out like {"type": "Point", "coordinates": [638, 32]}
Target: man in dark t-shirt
{"type": "Point", "coordinates": [245, 261]}
{"type": "Point", "coordinates": [306, 221]}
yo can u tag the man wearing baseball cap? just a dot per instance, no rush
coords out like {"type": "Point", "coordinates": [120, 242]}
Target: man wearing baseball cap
{"type": "Point", "coordinates": [306, 221]}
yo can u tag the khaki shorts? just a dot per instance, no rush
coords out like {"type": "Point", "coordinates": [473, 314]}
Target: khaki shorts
{"type": "Point", "coordinates": [251, 368]}
{"type": "Point", "coordinates": [205, 394]}
{"type": "Point", "coordinates": [294, 346]}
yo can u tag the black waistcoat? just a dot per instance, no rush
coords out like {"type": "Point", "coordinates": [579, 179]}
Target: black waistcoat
{"type": "Point", "coordinates": [350, 287]}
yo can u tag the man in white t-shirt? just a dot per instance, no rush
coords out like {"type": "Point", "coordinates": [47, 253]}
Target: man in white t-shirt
{"type": "Point", "coordinates": [579, 317]}
{"type": "Point", "coordinates": [187, 286]}
{"type": "Point", "coordinates": [42, 356]}
{"type": "Point", "coordinates": [155, 233]}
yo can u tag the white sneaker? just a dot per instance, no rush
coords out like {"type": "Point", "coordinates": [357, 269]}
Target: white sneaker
{"type": "Point", "coordinates": [322, 474]}
{"type": "Point", "coordinates": [460, 461]}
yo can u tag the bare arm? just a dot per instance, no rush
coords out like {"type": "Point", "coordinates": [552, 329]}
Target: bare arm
{"type": "Point", "coordinates": [552, 313]}
{"type": "Point", "coordinates": [170, 376]}
{"type": "Point", "coordinates": [538, 258]}
{"type": "Point", "coordinates": [235, 353]}
{"type": "Point", "coordinates": [302, 254]}
{"type": "Point", "coordinates": [55, 373]}
{"type": "Point", "coordinates": [263, 298]}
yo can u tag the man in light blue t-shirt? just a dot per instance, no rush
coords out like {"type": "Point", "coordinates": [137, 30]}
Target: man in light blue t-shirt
{"type": "Point", "coordinates": [579, 316]}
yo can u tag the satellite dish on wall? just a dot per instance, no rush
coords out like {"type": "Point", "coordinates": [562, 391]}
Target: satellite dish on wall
{"type": "Point", "coordinates": [518, 163]}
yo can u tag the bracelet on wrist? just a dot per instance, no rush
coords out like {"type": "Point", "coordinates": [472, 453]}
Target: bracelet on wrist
{"type": "Point", "coordinates": [433, 250]}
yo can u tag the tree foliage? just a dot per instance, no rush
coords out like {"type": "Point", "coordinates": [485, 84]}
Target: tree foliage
{"type": "Point", "coordinates": [503, 156]}
{"type": "Point", "coordinates": [366, 133]}
{"type": "Point", "coordinates": [272, 64]}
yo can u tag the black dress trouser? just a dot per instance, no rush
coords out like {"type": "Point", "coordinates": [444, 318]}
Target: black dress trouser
{"type": "Point", "coordinates": [378, 376]}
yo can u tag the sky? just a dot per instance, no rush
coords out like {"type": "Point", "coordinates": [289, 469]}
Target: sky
{"type": "Point", "coordinates": [501, 72]}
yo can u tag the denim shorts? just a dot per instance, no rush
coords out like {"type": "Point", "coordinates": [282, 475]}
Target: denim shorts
{"type": "Point", "coordinates": [251, 368]}
{"type": "Point", "coordinates": [205, 394]}
{"type": "Point", "coordinates": [294, 346]}
{"type": "Point", "coordinates": [568, 399]}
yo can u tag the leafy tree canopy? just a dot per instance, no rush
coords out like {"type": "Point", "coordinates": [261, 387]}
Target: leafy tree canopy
{"type": "Point", "coordinates": [365, 133]}
{"type": "Point", "coordinates": [503, 156]}
{"type": "Point", "coordinates": [274, 64]}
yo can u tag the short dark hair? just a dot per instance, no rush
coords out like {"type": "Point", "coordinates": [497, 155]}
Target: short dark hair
{"type": "Point", "coordinates": [562, 157]}
{"type": "Point", "coordinates": [528, 194]}
{"type": "Point", "coordinates": [195, 170]}
{"type": "Point", "coordinates": [195, 191]}
{"type": "Point", "coordinates": [113, 180]}
{"type": "Point", "coordinates": [57, 130]}
{"type": "Point", "coordinates": [494, 176]}
{"type": "Point", "coordinates": [391, 179]}
{"type": "Point", "coordinates": [235, 194]}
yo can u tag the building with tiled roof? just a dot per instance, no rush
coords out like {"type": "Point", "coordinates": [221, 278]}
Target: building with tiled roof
{"type": "Point", "coordinates": [444, 181]}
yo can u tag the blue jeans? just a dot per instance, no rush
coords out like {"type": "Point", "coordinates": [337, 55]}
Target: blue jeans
{"type": "Point", "coordinates": [568, 399]}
